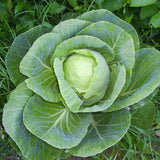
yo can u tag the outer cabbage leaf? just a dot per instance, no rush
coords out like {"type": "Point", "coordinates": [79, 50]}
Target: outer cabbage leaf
{"type": "Point", "coordinates": [105, 15]}
{"type": "Point", "coordinates": [106, 130]}
{"type": "Point", "coordinates": [36, 65]}
{"type": "Point", "coordinates": [145, 78]}
{"type": "Point", "coordinates": [19, 48]}
{"type": "Point", "coordinates": [72, 26]}
{"type": "Point", "coordinates": [55, 124]}
{"type": "Point", "coordinates": [32, 147]}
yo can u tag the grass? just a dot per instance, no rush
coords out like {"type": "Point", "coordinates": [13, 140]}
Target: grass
{"type": "Point", "coordinates": [18, 16]}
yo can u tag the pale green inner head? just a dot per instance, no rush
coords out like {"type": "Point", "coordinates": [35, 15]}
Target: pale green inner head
{"type": "Point", "coordinates": [78, 71]}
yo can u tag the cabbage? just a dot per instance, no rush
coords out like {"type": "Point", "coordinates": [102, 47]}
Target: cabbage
{"type": "Point", "coordinates": [76, 84]}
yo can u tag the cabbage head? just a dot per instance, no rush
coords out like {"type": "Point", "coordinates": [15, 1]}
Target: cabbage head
{"type": "Point", "coordinates": [76, 85]}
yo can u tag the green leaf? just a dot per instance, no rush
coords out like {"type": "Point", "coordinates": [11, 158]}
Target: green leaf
{"type": "Point", "coordinates": [31, 147]}
{"type": "Point", "coordinates": [120, 41]}
{"type": "Point", "coordinates": [83, 42]}
{"type": "Point", "coordinates": [111, 5]}
{"type": "Point", "coordinates": [71, 98]}
{"type": "Point", "coordinates": [145, 78]}
{"type": "Point", "coordinates": [116, 83]}
{"type": "Point", "coordinates": [155, 20]}
{"type": "Point", "coordinates": [144, 115]}
{"type": "Point", "coordinates": [54, 124]}
{"type": "Point", "coordinates": [106, 130]}
{"type": "Point", "coordinates": [141, 3]}
{"type": "Point", "coordinates": [19, 48]}
{"type": "Point", "coordinates": [73, 3]}
{"type": "Point", "coordinates": [72, 26]}
{"type": "Point", "coordinates": [148, 11]}
{"type": "Point", "coordinates": [55, 8]}
{"type": "Point", "coordinates": [36, 65]}
{"type": "Point", "coordinates": [104, 15]}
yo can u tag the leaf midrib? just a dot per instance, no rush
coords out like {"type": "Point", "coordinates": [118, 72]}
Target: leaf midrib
{"type": "Point", "coordinates": [97, 132]}
{"type": "Point", "coordinates": [56, 122]}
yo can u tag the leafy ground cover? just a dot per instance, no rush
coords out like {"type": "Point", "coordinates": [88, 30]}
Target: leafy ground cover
{"type": "Point", "coordinates": [19, 16]}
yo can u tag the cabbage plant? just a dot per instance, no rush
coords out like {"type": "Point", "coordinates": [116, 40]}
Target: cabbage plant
{"type": "Point", "coordinates": [76, 84]}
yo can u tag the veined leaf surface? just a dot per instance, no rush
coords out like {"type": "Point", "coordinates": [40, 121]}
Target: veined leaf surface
{"type": "Point", "coordinates": [54, 124]}
{"type": "Point", "coordinates": [32, 147]}
{"type": "Point", "coordinates": [106, 130]}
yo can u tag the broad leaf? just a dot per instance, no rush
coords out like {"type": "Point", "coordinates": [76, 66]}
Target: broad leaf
{"type": "Point", "coordinates": [106, 130]}
{"type": "Point", "coordinates": [149, 11]}
{"type": "Point", "coordinates": [71, 98]}
{"type": "Point", "coordinates": [36, 65]}
{"type": "Point", "coordinates": [83, 42]}
{"type": "Point", "coordinates": [54, 124]}
{"type": "Point", "coordinates": [144, 114]}
{"type": "Point", "coordinates": [111, 5]}
{"type": "Point", "coordinates": [120, 41]}
{"type": "Point", "coordinates": [155, 20]}
{"type": "Point", "coordinates": [141, 3]}
{"type": "Point", "coordinates": [31, 147]}
{"type": "Point", "coordinates": [104, 15]}
{"type": "Point", "coordinates": [72, 26]}
{"type": "Point", "coordinates": [19, 48]}
{"type": "Point", "coordinates": [146, 77]}
{"type": "Point", "coordinates": [116, 83]}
